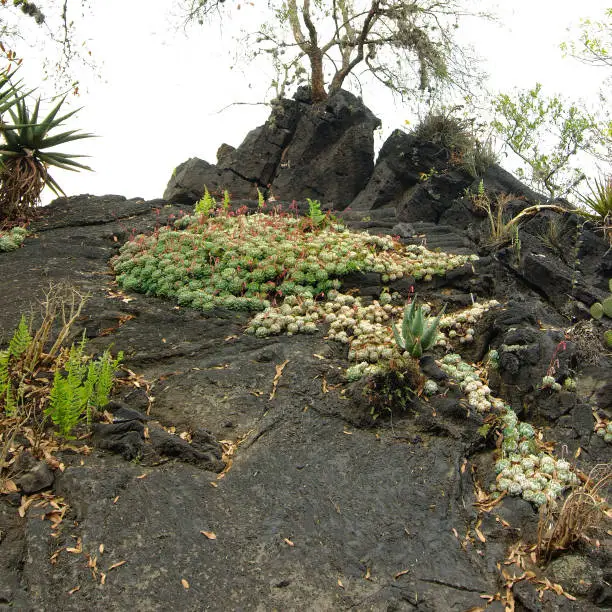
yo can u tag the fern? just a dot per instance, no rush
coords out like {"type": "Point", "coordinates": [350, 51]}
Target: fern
{"type": "Point", "coordinates": [21, 339]}
{"type": "Point", "coordinates": [4, 370]}
{"type": "Point", "coordinates": [83, 386]}
{"type": "Point", "coordinates": [316, 215]}
{"type": "Point", "coordinates": [64, 406]}
{"type": "Point", "coordinates": [106, 367]}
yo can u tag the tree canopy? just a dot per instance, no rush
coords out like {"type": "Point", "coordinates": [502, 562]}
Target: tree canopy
{"type": "Point", "coordinates": [404, 44]}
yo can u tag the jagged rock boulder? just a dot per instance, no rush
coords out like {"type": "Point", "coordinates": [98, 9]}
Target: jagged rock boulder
{"type": "Point", "coordinates": [331, 154]}
{"type": "Point", "coordinates": [418, 180]}
{"type": "Point", "coordinates": [323, 151]}
{"type": "Point", "coordinates": [189, 179]}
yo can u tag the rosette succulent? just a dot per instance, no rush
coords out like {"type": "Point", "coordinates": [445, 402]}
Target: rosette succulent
{"type": "Point", "coordinates": [418, 333]}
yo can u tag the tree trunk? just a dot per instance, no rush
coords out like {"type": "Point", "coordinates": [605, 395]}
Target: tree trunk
{"type": "Point", "coordinates": [317, 80]}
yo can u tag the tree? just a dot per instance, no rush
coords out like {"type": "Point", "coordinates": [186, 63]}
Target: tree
{"type": "Point", "coordinates": [546, 133]}
{"type": "Point", "coordinates": [402, 43]}
{"type": "Point", "coordinates": [43, 22]}
{"type": "Point", "coordinates": [594, 44]}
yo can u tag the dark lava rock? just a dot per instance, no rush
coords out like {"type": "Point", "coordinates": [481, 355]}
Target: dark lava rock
{"type": "Point", "coordinates": [304, 150]}
{"type": "Point", "coordinates": [203, 451]}
{"type": "Point", "coordinates": [37, 478]}
{"type": "Point", "coordinates": [124, 438]}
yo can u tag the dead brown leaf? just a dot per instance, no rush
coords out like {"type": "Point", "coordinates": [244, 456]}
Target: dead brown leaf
{"type": "Point", "coordinates": [288, 542]}
{"type": "Point", "coordinates": [184, 583]}
{"type": "Point", "coordinates": [209, 534]}
{"type": "Point", "coordinates": [402, 573]}
{"type": "Point", "coordinates": [72, 591]}
{"type": "Point", "coordinates": [116, 565]}
{"type": "Point", "coordinates": [340, 583]}
{"type": "Point", "coordinates": [277, 377]}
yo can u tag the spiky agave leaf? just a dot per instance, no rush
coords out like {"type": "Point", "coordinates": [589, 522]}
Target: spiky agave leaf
{"type": "Point", "coordinates": [430, 335]}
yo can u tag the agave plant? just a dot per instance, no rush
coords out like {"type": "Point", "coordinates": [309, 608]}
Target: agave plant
{"type": "Point", "coordinates": [418, 333]}
{"type": "Point", "coordinates": [599, 201]}
{"type": "Point", "coordinates": [24, 159]}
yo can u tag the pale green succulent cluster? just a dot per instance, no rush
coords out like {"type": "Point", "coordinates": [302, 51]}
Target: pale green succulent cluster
{"type": "Point", "coordinates": [604, 430]}
{"type": "Point", "coordinates": [522, 470]}
{"type": "Point", "coordinates": [217, 260]}
{"type": "Point", "coordinates": [467, 377]}
{"type": "Point", "coordinates": [11, 240]}
{"type": "Point", "coordinates": [459, 326]}
{"type": "Point", "coordinates": [549, 382]}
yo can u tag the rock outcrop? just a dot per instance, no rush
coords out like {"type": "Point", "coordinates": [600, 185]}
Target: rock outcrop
{"type": "Point", "coordinates": [304, 150]}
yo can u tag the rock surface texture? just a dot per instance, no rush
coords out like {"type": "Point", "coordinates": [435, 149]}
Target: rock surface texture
{"type": "Point", "coordinates": [296, 500]}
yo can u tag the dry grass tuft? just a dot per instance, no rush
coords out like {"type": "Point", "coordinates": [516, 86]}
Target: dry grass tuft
{"type": "Point", "coordinates": [583, 513]}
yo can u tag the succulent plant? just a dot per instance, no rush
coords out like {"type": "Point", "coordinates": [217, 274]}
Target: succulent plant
{"type": "Point", "coordinates": [418, 334]}
{"type": "Point", "coordinates": [599, 309]}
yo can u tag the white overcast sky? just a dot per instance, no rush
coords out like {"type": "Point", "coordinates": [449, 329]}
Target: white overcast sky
{"type": "Point", "coordinates": [157, 100]}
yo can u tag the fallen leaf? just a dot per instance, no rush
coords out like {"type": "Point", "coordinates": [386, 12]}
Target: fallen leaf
{"type": "Point", "coordinates": [288, 542]}
{"type": "Point", "coordinates": [77, 550]}
{"type": "Point", "coordinates": [101, 549]}
{"type": "Point", "coordinates": [76, 588]}
{"type": "Point", "coordinates": [455, 533]}
{"type": "Point", "coordinates": [209, 534]}
{"type": "Point", "coordinates": [277, 377]}
{"type": "Point", "coordinates": [340, 583]}
{"type": "Point", "coordinates": [8, 487]}
{"type": "Point", "coordinates": [318, 356]}
{"type": "Point", "coordinates": [367, 575]}
{"type": "Point", "coordinates": [102, 578]}
{"type": "Point", "coordinates": [480, 535]}
{"type": "Point", "coordinates": [463, 466]}
{"type": "Point", "coordinates": [141, 476]}
{"type": "Point", "coordinates": [213, 484]}
{"type": "Point", "coordinates": [116, 565]}
{"type": "Point", "coordinates": [348, 433]}
{"type": "Point", "coordinates": [402, 573]}
{"type": "Point", "coordinates": [116, 500]}
{"type": "Point", "coordinates": [184, 583]}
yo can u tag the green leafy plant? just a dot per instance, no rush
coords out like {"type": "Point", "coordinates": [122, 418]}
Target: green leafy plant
{"type": "Point", "coordinates": [315, 214]}
{"type": "Point", "coordinates": [206, 204]}
{"type": "Point", "coordinates": [418, 333]}
{"type": "Point", "coordinates": [261, 202]}
{"type": "Point", "coordinates": [527, 120]}
{"type": "Point", "coordinates": [25, 159]}
{"type": "Point", "coordinates": [79, 382]}
{"type": "Point", "coordinates": [85, 384]}
{"type": "Point", "coordinates": [501, 229]}
{"type": "Point", "coordinates": [226, 200]}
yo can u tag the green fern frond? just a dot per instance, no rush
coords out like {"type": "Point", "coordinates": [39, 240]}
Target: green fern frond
{"type": "Point", "coordinates": [106, 368]}
{"type": "Point", "coordinates": [21, 339]}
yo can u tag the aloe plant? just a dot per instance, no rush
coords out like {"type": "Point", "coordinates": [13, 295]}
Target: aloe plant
{"type": "Point", "coordinates": [599, 201]}
{"type": "Point", "coordinates": [24, 157]}
{"type": "Point", "coordinates": [418, 333]}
